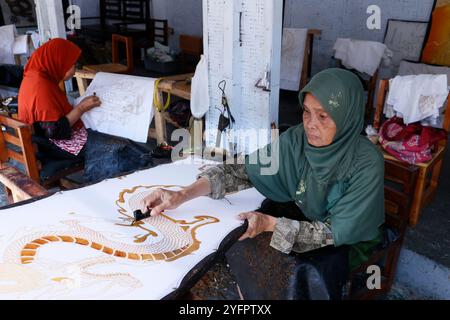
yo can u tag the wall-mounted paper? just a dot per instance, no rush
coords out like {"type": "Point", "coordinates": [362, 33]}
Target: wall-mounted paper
{"type": "Point", "coordinates": [292, 54]}
{"type": "Point", "coordinates": [405, 39]}
{"type": "Point", "coordinates": [73, 245]}
{"type": "Point", "coordinates": [6, 44]}
{"type": "Point", "coordinates": [21, 45]}
{"type": "Point", "coordinates": [127, 105]}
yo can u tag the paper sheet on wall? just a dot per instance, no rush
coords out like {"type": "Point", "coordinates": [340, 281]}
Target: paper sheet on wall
{"type": "Point", "coordinates": [7, 44]}
{"type": "Point", "coordinates": [127, 105]}
{"type": "Point", "coordinates": [292, 54]}
{"type": "Point", "coordinates": [70, 246]}
{"type": "Point", "coordinates": [21, 45]}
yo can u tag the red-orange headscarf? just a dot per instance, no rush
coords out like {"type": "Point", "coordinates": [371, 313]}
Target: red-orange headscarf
{"type": "Point", "coordinates": [40, 98]}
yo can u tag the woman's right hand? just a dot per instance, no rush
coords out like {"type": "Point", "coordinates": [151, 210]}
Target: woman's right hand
{"type": "Point", "coordinates": [162, 199]}
{"type": "Point", "coordinates": [89, 103]}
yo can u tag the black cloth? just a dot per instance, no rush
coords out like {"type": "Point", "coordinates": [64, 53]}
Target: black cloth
{"type": "Point", "coordinates": [53, 158]}
{"type": "Point", "coordinates": [264, 273]}
{"type": "Point", "coordinates": [58, 130]}
{"type": "Point", "coordinates": [11, 75]}
{"type": "Point", "coordinates": [108, 156]}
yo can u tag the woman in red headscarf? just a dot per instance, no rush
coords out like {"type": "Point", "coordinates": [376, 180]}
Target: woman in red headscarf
{"type": "Point", "coordinates": [60, 132]}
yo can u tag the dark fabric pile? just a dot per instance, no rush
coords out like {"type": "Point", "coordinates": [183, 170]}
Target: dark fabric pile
{"type": "Point", "coordinates": [109, 156]}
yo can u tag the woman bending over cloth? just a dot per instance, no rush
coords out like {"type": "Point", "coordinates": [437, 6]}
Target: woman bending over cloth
{"type": "Point", "coordinates": [333, 174]}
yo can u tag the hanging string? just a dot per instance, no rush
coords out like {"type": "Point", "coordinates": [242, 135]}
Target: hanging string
{"type": "Point", "coordinates": [158, 104]}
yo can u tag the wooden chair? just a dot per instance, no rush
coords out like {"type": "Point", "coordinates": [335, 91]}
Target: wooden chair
{"type": "Point", "coordinates": [429, 172]}
{"type": "Point", "coordinates": [370, 86]}
{"type": "Point", "coordinates": [115, 66]}
{"type": "Point", "coordinates": [16, 144]}
{"type": "Point", "coordinates": [307, 59]}
{"type": "Point", "coordinates": [191, 49]}
{"type": "Point", "coordinates": [398, 199]}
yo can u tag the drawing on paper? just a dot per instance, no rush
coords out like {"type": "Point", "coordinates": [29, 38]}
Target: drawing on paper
{"type": "Point", "coordinates": [292, 55]}
{"type": "Point", "coordinates": [124, 105]}
{"type": "Point", "coordinates": [127, 105]}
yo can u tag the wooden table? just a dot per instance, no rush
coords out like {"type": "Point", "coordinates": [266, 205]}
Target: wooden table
{"type": "Point", "coordinates": [175, 85]}
{"type": "Point", "coordinates": [178, 85]}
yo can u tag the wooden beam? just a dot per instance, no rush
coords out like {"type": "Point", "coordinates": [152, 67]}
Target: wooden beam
{"type": "Point", "coordinates": [82, 77]}
{"type": "Point", "coordinates": [20, 185]}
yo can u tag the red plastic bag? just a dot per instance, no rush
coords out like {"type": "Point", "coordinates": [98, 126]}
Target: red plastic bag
{"type": "Point", "coordinates": [411, 143]}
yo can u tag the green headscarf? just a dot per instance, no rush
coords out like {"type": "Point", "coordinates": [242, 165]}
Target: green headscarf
{"type": "Point", "coordinates": [342, 182]}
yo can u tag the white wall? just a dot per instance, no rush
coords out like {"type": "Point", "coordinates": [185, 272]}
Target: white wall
{"type": "Point", "coordinates": [347, 18]}
{"type": "Point", "coordinates": [184, 16]}
{"type": "Point", "coordinates": [89, 8]}
{"type": "Point", "coordinates": [336, 18]}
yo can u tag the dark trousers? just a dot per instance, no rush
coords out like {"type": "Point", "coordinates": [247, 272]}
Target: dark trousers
{"type": "Point", "coordinates": [264, 273]}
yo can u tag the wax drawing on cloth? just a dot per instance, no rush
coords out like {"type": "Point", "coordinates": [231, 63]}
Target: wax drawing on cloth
{"type": "Point", "coordinates": [127, 105]}
{"type": "Point", "coordinates": [85, 252]}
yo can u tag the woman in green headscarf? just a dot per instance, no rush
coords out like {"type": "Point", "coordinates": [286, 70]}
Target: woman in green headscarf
{"type": "Point", "coordinates": [333, 174]}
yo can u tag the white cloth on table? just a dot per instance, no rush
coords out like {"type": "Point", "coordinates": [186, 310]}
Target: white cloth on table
{"type": "Point", "coordinates": [292, 56]}
{"type": "Point", "coordinates": [417, 97]}
{"type": "Point", "coordinates": [7, 44]}
{"type": "Point", "coordinates": [364, 56]}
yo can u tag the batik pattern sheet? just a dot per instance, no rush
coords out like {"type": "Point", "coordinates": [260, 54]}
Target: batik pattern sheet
{"type": "Point", "coordinates": [78, 245]}
{"type": "Point", "coordinates": [127, 105]}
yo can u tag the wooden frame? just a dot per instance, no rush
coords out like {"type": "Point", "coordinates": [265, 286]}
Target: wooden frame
{"type": "Point", "coordinates": [397, 208]}
{"type": "Point", "coordinates": [177, 85]}
{"type": "Point", "coordinates": [191, 46]}
{"type": "Point", "coordinates": [19, 135]}
{"type": "Point", "coordinates": [426, 186]}
{"type": "Point", "coordinates": [115, 66]}
{"type": "Point", "coordinates": [371, 84]}
{"type": "Point", "coordinates": [307, 58]}
{"type": "Point", "coordinates": [18, 186]}
{"type": "Point", "coordinates": [16, 143]}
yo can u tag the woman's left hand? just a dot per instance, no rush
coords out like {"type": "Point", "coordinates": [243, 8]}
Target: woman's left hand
{"type": "Point", "coordinates": [257, 223]}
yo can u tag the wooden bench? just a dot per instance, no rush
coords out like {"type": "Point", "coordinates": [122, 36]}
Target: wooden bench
{"type": "Point", "coordinates": [16, 144]}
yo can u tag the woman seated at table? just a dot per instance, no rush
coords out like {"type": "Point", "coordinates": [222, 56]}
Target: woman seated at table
{"type": "Point", "coordinates": [59, 132]}
{"type": "Point", "coordinates": [334, 175]}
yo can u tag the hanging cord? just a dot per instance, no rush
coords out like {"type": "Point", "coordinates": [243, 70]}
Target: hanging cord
{"type": "Point", "coordinates": [222, 84]}
{"type": "Point", "coordinates": [158, 105]}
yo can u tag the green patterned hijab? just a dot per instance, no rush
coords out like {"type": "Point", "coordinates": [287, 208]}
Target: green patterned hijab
{"type": "Point", "coordinates": [341, 182]}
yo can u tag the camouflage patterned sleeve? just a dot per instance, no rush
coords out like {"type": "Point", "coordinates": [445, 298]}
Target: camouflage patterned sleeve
{"type": "Point", "coordinates": [300, 236]}
{"type": "Point", "coordinates": [226, 178]}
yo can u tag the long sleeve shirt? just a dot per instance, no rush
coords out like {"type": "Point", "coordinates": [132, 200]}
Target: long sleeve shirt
{"type": "Point", "coordinates": [57, 130]}
{"type": "Point", "coordinates": [288, 235]}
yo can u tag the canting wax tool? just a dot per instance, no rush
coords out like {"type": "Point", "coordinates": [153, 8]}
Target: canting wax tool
{"type": "Point", "coordinates": [138, 215]}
